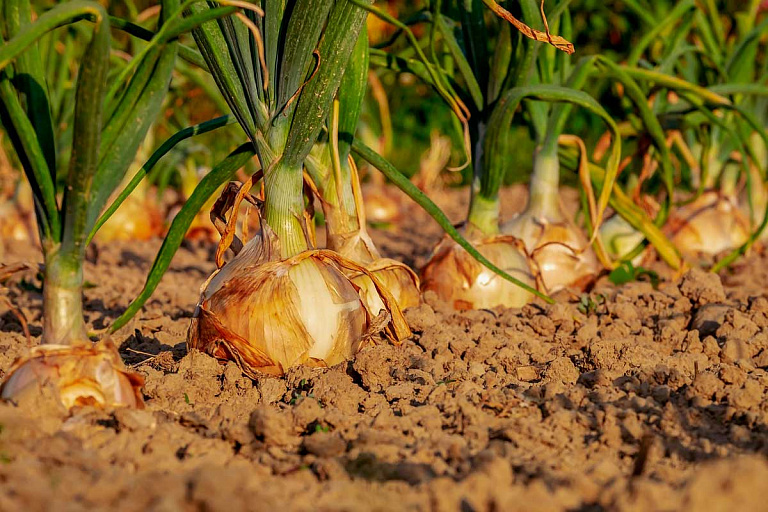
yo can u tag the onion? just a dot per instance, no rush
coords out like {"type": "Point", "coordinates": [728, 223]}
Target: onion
{"type": "Point", "coordinates": [268, 314]}
{"type": "Point", "coordinates": [620, 238]}
{"type": "Point", "coordinates": [13, 224]}
{"type": "Point", "coordinates": [457, 278]}
{"type": "Point", "coordinates": [381, 206]}
{"type": "Point", "coordinates": [137, 219]}
{"type": "Point", "coordinates": [401, 281]}
{"type": "Point", "coordinates": [559, 250]}
{"type": "Point", "coordinates": [81, 374]}
{"type": "Point", "coordinates": [709, 225]}
{"type": "Point", "coordinates": [347, 234]}
{"type": "Point", "coordinates": [17, 218]}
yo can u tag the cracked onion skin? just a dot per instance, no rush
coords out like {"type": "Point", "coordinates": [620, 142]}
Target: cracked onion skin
{"type": "Point", "coordinates": [709, 225]}
{"type": "Point", "coordinates": [460, 280]}
{"type": "Point", "coordinates": [559, 251]}
{"type": "Point", "coordinates": [81, 374]}
{"type": "Point", "coordinates": [268, 314]}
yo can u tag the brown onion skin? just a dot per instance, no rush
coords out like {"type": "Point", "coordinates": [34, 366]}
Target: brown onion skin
{"type": "Point", "coordinates": [82, 374]}
{"type": "Point", "coordinates": [560, 253]}
{"type": "Point", "coordinates": [460, 280]}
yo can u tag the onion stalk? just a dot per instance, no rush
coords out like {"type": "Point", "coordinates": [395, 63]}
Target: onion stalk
{"type": "Point", "coordinates": [382, 206]}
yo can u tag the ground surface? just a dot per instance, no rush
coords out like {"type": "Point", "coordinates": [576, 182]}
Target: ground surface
{"type": "Point", "coordinates": [651, 400]}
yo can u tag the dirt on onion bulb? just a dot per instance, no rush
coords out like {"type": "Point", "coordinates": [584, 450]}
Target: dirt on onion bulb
{"type": "Point", "coordinates": [268, 314]}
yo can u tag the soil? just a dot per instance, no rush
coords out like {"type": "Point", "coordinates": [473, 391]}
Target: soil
{"type": "Point", "coordinates": [629, 398]}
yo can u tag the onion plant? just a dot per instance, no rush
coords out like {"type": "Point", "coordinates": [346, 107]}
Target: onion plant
{"type": "Point", "coordinates": [514, 72]}
{"type": "Point", "coordinates": [560, 252]}
{"type": "Point", "coordinates": [280, 302]}
{"type": "Point", "coordinates": [334, 176]}
{"type": "Point", "coordinates": [110, 118]}
{"type": "Point", "coordinates": [712, 129]}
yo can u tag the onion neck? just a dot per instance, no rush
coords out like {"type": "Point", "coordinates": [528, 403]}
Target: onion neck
{"type": "Point", "coordinates": [339, 208]}
{"type": "Point", "coordinates": [714, 167]}
{"type": "Point", "coordinates": [729, 179]}
{"type": "Point", "coordinates": [484, 214]}
{"type": "Point", "coordinates": [544, 200]}
{"type": "Point", "coordinates": [284, 208]}
{"type": "Point", "coordinates": [484, 206]}
{"type": "Point", "coordinates": [63, 321]}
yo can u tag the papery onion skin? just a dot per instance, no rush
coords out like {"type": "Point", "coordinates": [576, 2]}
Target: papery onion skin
{"type": "Point", "coordinates": [457, 278]}
{"type": "Point", "coordinates": [81, 374]}
{"type": "Point", "coordinates": [560, 252]}
{"type": "Point", "coordinates": [399, 279]}
{"type": "Point", "coordinates": [709, 225]}
{"type": "Point", "coordinates": [271, 315]}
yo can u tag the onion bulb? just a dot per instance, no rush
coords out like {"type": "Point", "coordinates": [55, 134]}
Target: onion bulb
{"type": "Point", "coordinates": [17, 219]}
{"type": "Point", "coordinates": [620, 238]}
{"type": "Point", "coordinates": [81, 374]}
{"type": "Point", "coordinates": [268, 314]}
{"type": "Point", "coordinates": [459, 279]}
{"type": "Point", "coordinates": [560, 252]}
{"type": "Point", "coordinates": [347, 234]}
{"type": "Point", "coordinates": [136, 219]}
{"type": "Point", "coordinates": [401, 281]}
{"type": "Point", "coordinates": [709, 225]}
{"type": "Point", "coordinates": [13, 224]}
{"type": "Point", "coordinates": [381, 206]}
